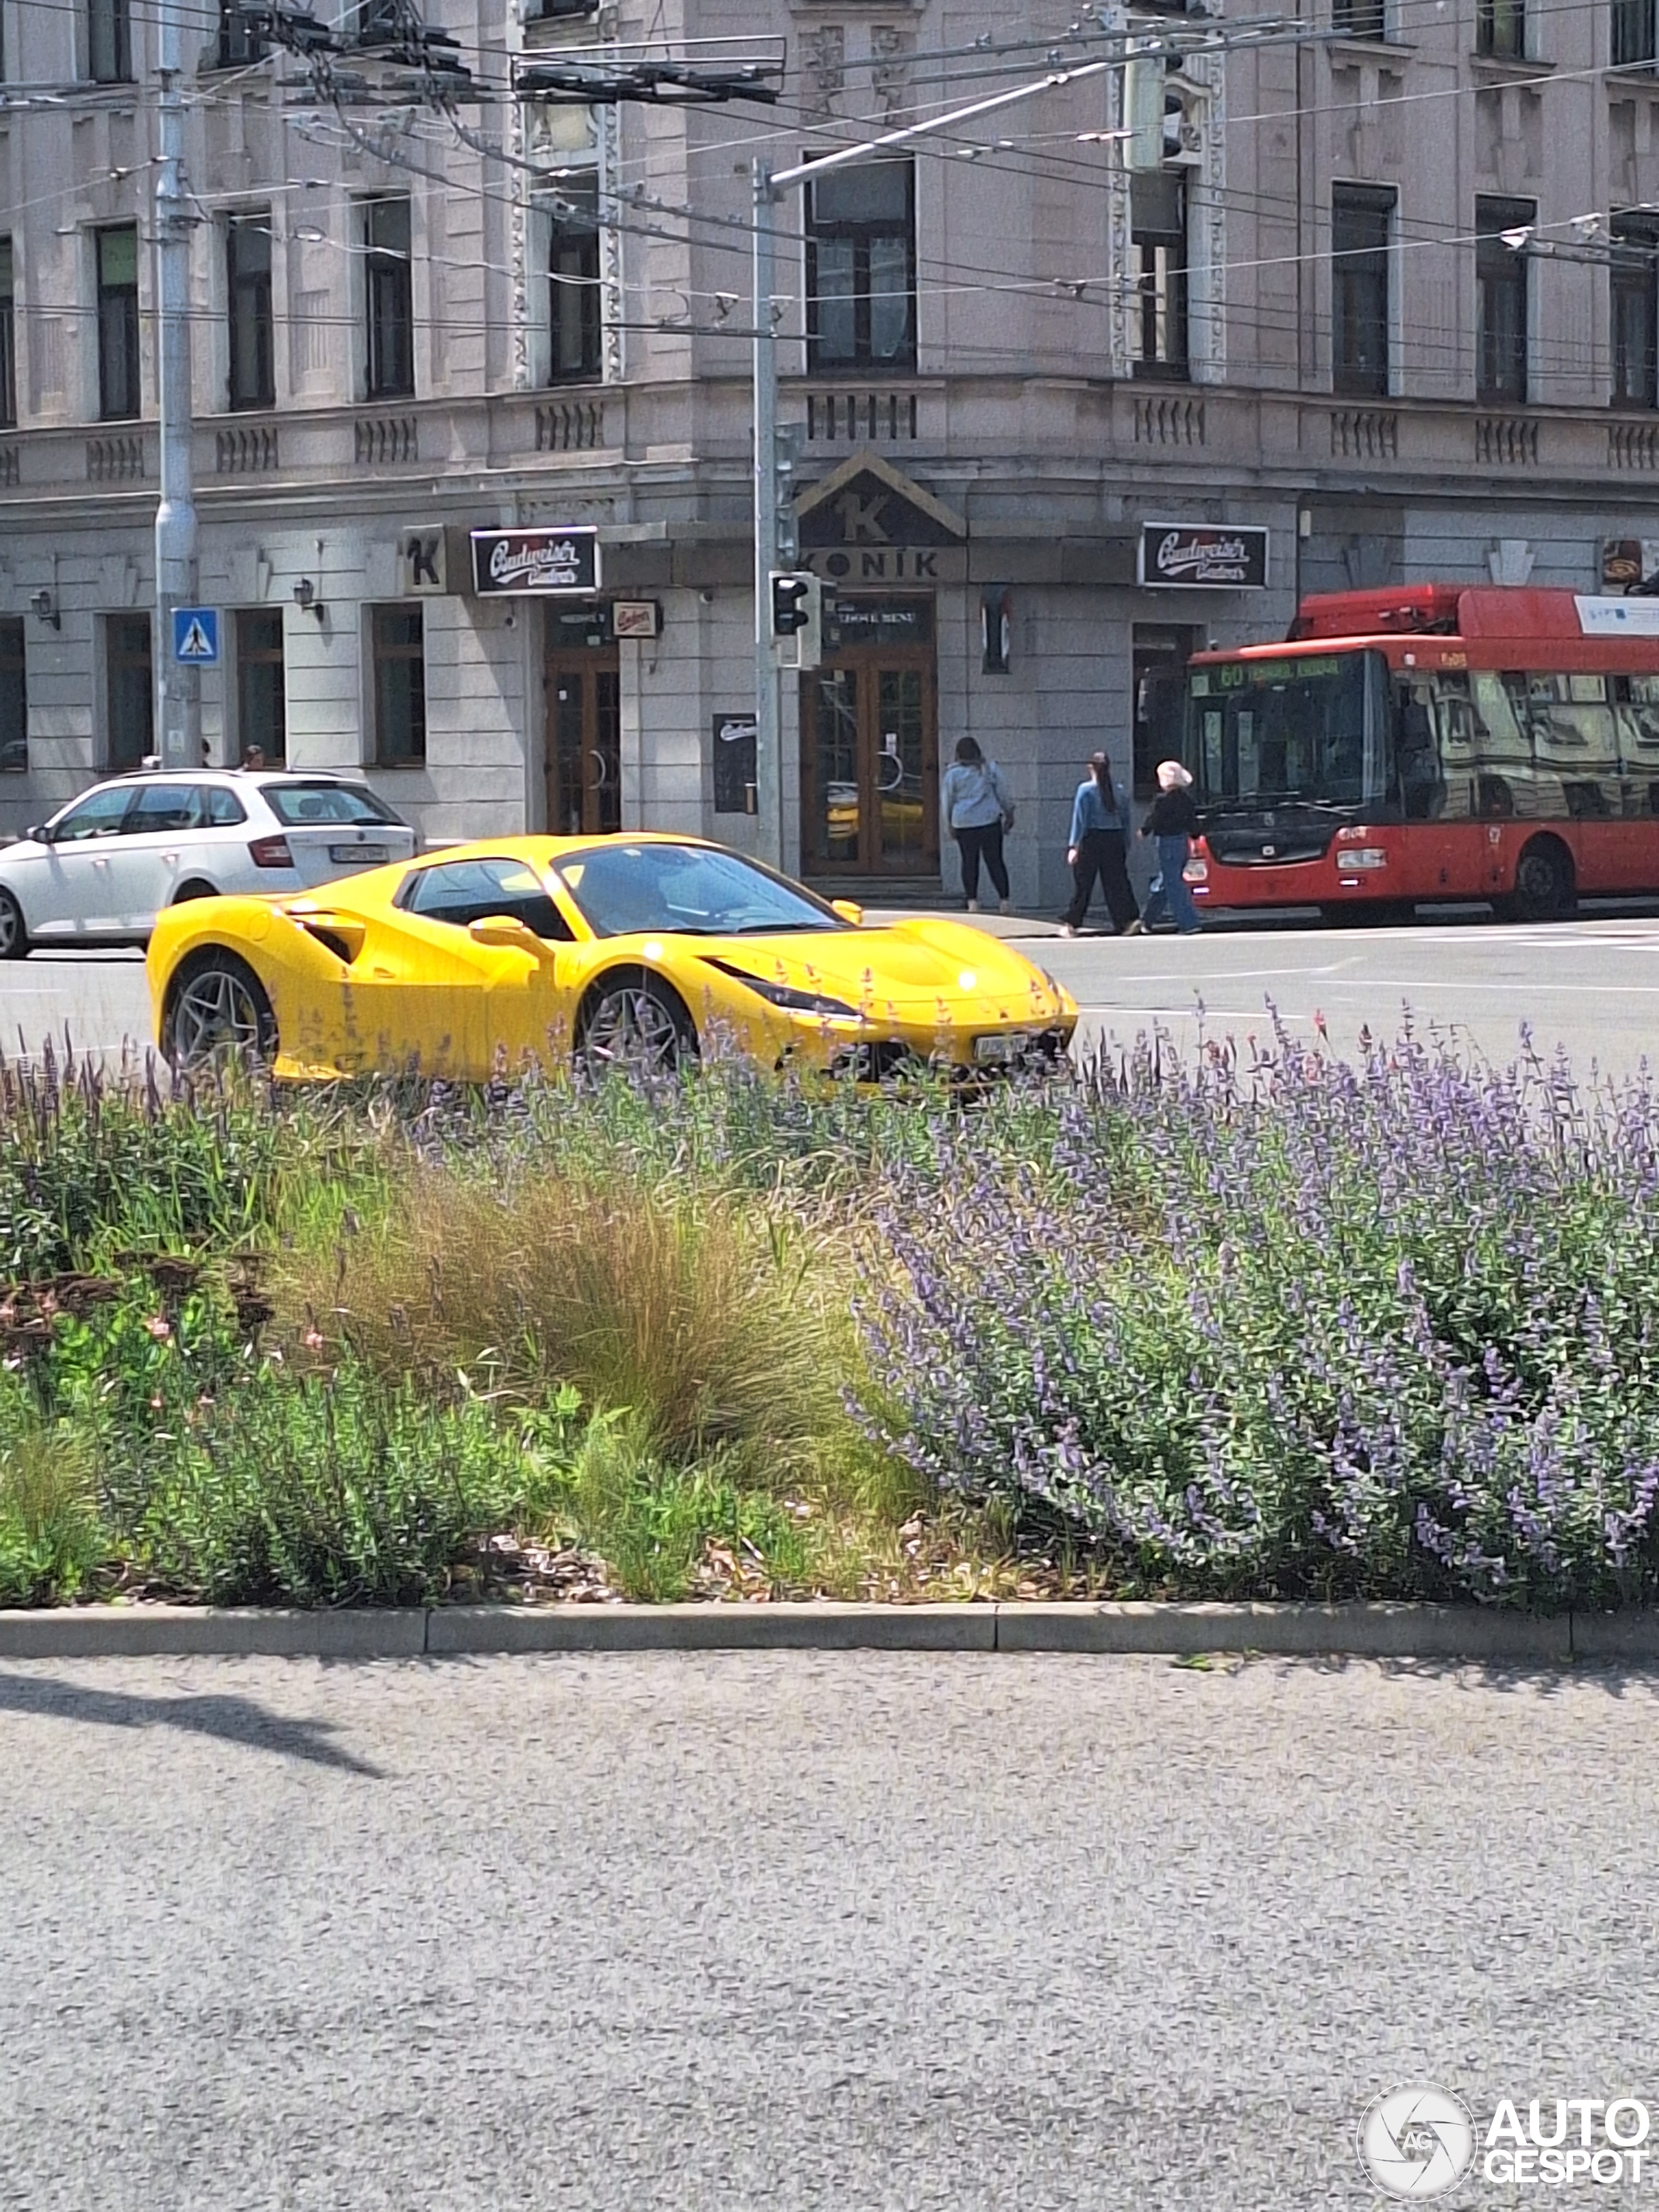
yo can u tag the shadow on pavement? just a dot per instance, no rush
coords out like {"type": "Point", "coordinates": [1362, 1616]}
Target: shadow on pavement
{"type": "Point", "coordinates": [232, 1720]}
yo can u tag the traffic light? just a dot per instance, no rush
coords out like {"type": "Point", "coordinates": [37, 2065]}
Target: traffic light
{"type": "Point", "coordinates": [798, 613]}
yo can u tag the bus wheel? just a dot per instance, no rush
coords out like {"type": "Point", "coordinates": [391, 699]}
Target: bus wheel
{"type": "Point", "coordinates": [1544, 887]}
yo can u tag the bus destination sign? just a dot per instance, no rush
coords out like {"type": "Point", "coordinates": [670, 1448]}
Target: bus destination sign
{"type": "Point", "coordinates": [1202, 557]}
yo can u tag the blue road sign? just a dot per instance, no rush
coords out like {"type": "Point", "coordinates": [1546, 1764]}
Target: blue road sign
{"type": "Point", "coordinates": [196, 636]}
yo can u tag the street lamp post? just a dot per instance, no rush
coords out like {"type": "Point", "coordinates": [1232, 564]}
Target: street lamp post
{"type": "Point", "coordinates": [178, 718]}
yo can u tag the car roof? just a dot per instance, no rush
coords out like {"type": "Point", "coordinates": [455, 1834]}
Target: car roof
{"type": "Point", "coordinates": [219, 775]}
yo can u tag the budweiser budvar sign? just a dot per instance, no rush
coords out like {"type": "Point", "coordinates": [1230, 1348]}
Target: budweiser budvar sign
{"type": "Point", "coordinates": [1203, 557]}
{"type": "Point", "coordinates": [539, 562]}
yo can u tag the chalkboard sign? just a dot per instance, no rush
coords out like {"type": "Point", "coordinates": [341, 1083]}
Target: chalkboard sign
{"type": "Point", "coordinates": [734, 763]}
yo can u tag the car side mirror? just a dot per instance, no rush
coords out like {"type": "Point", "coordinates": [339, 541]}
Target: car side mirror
{"type": "Point", "coordinates": [849, 910]}
{"type": "Point", "coordinates": [507, 930]}
{"type": "Point", "coordinates": [41, 834]}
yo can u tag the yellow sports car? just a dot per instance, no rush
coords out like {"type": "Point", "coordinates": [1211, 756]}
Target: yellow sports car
{"type": "Point", "coordinates": [631, 951]}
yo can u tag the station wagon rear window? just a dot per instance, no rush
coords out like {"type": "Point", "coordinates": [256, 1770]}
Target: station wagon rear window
{"type": "Point", "coordinates": [296, 804]}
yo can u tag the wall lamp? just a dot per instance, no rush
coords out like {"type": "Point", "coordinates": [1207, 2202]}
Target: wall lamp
{"type": "Point", "coordinates": [44, 608]}
{"type": "Point", "coordinates": [305, 599]}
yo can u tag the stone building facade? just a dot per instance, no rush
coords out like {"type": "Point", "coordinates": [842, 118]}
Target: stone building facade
{"type": "Point", "coordinates": [1374, 302]}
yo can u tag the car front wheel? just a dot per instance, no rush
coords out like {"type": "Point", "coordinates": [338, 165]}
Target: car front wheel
{"type": "Point", "coordinates": [14, 937]}
{"type": "Point", "coordinates": [217, 1010]}
{"type": "Point", "coordinates": [635, 1025]}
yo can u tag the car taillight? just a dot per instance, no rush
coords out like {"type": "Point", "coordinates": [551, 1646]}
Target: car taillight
{"type": "Point", "coordinates": [270, 853]}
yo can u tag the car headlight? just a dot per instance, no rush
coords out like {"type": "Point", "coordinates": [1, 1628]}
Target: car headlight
{"type": "Point", "coordinates": [794, 1001]}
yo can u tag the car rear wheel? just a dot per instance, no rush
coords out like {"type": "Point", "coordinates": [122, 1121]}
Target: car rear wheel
{"type": "Point", "coordinates": [634, 1024]}
{"type": "Point", "coordinates": [195, 889]}
{"type": "Point", "coordinates": [218, 1010]}
{"type": "Point", "coordinates": [14, 937]}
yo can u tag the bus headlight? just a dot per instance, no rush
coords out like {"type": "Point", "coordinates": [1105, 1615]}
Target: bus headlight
{"type": "Point", "coordinates": [1368, 856]}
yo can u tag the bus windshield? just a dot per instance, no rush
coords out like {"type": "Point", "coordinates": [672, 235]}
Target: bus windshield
{"type": "Point", "coordinates": [1308, 729]}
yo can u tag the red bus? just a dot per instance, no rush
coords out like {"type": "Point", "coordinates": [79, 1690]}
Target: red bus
{"type": "Point", "coordinates": [1431, 743]}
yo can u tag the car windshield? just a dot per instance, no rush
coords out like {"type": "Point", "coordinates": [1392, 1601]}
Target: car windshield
{"type": "Point", "coordinates": [1289, 732]}
{"type": "Point", "coordinates": [297, 804]}
{"type": "Point", "coordinates": [621, 888]}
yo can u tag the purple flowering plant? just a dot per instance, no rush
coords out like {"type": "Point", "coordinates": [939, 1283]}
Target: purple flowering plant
{"type": "Point", "coordinates": [1275, 1324]}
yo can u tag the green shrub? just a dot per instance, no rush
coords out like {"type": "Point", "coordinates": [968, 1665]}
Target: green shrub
{"type": "Point", "coordinates": [52, 1540]}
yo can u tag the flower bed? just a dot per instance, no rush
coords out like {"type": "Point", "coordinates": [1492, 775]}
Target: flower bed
{"type": "Point", "coordinates": [1267, 1325]}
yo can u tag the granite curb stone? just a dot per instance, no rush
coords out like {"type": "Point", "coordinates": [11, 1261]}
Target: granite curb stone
{"type": "Point", "coordinates": [1380, 1630]}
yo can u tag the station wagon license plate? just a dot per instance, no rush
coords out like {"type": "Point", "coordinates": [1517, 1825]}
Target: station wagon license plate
{"type": "Point", "coordinates": [359, 856]}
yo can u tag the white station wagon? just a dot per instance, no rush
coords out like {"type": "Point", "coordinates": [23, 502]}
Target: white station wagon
{"type": "Point", "coordinates": [105, 865]}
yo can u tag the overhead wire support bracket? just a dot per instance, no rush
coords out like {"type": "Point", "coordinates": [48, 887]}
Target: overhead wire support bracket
{"type": "Point", "coordinates": [693, 73]}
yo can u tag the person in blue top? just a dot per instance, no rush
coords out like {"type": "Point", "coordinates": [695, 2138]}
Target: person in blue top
{"type": "Point", "coordinates": [1099, 846]}
{"type": "Point", "coordinates": [975, 809]}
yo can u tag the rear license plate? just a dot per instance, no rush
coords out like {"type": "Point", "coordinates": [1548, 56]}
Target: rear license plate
{"type": "Point", "coordinates": [359, 856]}
{"type": "Point", "coordinates": [1006, 1047]}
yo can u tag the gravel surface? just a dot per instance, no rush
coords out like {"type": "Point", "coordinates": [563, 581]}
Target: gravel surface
{"type": "Point", "coordinates": [787, 1930]}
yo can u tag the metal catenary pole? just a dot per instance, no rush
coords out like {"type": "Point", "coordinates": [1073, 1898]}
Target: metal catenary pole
{"type": "Point", "coordinates": [769, 189]}
{"type": "Point", "coordinates": [177, 735]}
{"type": "Point", "coordinates": [768, 747]}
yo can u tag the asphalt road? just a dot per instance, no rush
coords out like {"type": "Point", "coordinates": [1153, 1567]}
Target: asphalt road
{"type": "Point", "coordinates": [783, 1930]}
{"type": "Point", "coordinates": [1592, 985]}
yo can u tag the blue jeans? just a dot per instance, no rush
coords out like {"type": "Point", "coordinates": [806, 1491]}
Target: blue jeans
{"type": "Point", "coordinates": [1171, 888]}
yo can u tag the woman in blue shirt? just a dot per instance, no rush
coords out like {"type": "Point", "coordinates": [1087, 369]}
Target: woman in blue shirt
{"type": "Point", "coordinates": [975, 809]}
{"type": "Point", "coordinates": [1099, 846]}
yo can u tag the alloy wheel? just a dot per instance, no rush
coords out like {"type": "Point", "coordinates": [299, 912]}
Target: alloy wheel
{"type": "Point", "coordinates": [216, 1013]}
{"type": "Point", "coordinates": [632, 1030]}
{"type": "Point", "coordinates": [11, 926]}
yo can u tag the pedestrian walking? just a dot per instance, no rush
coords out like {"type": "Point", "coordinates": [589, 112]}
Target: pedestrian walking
{"type": "Point", "coordinates": [1172, 820]}
{"type": "Point", "coordinates": [1099, 846]}
{"type": "Point", "coordinates": [975, 809]}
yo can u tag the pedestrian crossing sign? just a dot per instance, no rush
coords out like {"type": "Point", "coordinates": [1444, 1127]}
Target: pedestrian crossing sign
{"type": "Point", "coordinates": [196, 636]}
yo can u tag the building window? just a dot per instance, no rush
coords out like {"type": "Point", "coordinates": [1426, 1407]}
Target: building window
{"type": "Point", "coordinates": [1634, 286]}
{"type": "Point", "coordinates": [247, 271]}
{"type": "Point", "coordinates": [573, 283]}
{"type": "Point", "coordinates": [1633, 32]}
{"type": "Point", "coordinates": [1157, 216]}
{"type": "Point", "coordinates": [13, 699]}
{"type": "Point", "coordinates": [399, 652]}
{"type": "Point", "coordinates": [1500, 277]}
{"type": "Point", "coordinates": [117, 254]}
{"type": "Point", "coordinates": [389, 299]}
{"type": "Point", "coordinates": [128, 700]}
{"type": "Point", "coordinates": [239, 48]}
{"type": "Point", "coordinates": [1362, 216]}
{"type": "Point", "coordinates": [109, 41]}
{"type": "Point", "coordinates": [1500, 29]}
{"type": "Point", "coordinates": [8, 338]}
{"type": "Point", "coordinates": [261, 696]}
{"type": "Point", "coordinates": [1359, 19]}
{"type": "Point", "coordinates": [861, 268]}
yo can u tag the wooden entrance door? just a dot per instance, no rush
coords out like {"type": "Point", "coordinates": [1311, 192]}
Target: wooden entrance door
{"type": "Point", "coordinates": [584, 742]}
{"type": "Point", "coordinates": [870, 761]}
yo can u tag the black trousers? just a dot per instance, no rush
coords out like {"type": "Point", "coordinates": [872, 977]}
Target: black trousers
{"type": "Point", "coordinates": [984, 843]}
{"type": "Point", "coordinates": [1104, 853]}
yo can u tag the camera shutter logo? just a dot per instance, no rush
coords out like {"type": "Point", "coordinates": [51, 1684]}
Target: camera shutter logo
{"type": "Point", "coordinates": [1417, 2143]}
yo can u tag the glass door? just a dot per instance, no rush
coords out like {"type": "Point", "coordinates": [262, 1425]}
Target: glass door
{"type": "Point", "coordinates": [584, 744]}
{"type": "Point", "coordinates": [870, 766]}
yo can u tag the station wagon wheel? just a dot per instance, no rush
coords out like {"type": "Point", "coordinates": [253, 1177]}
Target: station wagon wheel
{"type": "Point", "coordinates": [218, 1010]}
{"type": "Point", "coordinates": [634, 1025]}
{"type": "Point", "coordinates": [14, 937]}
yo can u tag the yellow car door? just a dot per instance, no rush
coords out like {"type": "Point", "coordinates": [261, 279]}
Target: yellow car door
{"type": "Point", "coordinates": [428, 993]}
